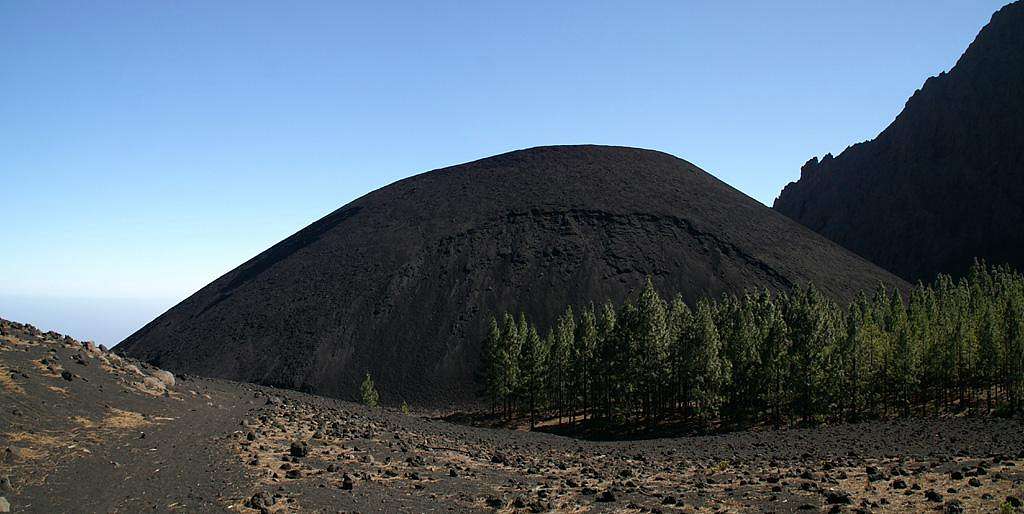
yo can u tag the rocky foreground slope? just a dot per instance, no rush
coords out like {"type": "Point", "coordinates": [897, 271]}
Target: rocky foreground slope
{"type": "Point", "coordinates": [944, 183]}
{"type": "Point", "coordinates": [83, 430]}
{"type": "Point", "coordinates": [400, 282]}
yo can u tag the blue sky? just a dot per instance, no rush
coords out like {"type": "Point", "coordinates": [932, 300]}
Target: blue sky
{"type": "Point", "coordinates": [148, 147]}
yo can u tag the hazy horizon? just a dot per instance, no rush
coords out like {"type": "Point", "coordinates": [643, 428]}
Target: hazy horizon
{"type": "Point", "coordinates": [149, 148]}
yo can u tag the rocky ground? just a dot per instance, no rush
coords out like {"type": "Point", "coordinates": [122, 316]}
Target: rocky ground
{"type": "Point", "coordinates": [83, 430]}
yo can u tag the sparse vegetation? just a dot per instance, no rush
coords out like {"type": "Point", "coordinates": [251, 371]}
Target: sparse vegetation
{"type": "Point", "coordinates": [953, 345]}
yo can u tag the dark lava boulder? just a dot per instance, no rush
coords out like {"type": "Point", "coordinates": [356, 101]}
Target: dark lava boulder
{"type": "Point", "coordinates": [400, 282]}
{"type": "Point", "coordinates": [944, 183]}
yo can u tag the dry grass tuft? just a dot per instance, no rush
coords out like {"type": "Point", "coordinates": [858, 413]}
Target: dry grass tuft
{"type": "Point", "coordinates": [34, 446]}
{"type": "Point", "coordinates": [124, 419]}
{"type": "Point", "coordinates": [8, 384]}
{"type": "Point", "coordinates": [59, 390]}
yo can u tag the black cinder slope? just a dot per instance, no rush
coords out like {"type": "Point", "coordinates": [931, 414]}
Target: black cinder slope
{"type": "Point", "coordinates": [400, 282]}
{"type": "Point", "coordinates": [944, 183]}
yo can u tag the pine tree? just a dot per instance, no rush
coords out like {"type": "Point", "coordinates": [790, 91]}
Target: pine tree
{"type": "Point", "coordinates": [584, 363]}
{"type": "Point", "coordinates": [562, 341]}
{"type": "Point", "coordinates": [493, 364]}
{"type": "Point", "coordinates": [904, 372]}
{"type": "Point", "coordinates": [607, 358]}
{"type": "Point", "coordinates": [990, 348]}
{"type": "Point", "coordinates": [532, 360]}
{"type": "Point", "coordinates": [796, 354]}
{"type": "Point", "coordinates": [681, 352]}
{"type": "Point", "coordinates": [511, 343]}
{"type": "Point", "coordinates": [368, 393]}
{"type": "Point", "coordinates": [651, 349]}
{"type": "Point", "coordinates": [741, 341]}
{"type": "Point", "coordinates": [710, 369]}
{"type": "Point", "coordinates": [814, 330]}
{"type": "Point", "coordinates": [775, 359]}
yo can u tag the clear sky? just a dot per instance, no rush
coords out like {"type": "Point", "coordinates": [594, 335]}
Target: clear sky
{"type": "Point", "coordinates": [148, 147]}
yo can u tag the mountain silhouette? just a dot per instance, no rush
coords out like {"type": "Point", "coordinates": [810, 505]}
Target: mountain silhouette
{"type": "Point", "coordinates": [944, 183]}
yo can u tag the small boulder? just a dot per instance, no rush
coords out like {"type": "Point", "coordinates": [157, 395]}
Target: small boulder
{"type": "Point", "coordinates": [164, 376]}
{"type": "Point", "coordinates": [298, 449]}
{"type": "Point", "coordinates": [838, 498]}
{"type": "Point", "coordinates": [606, 497]}
{"type": "Point", "coordinates": [954, 507]}
{"type": "Point", "coordinates": [5, 506]}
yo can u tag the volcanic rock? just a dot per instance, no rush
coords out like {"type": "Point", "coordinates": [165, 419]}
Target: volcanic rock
{"type": "Point", "coordinates": [401, 282]}
{"type": "Point", "coordinates": [944, 183]}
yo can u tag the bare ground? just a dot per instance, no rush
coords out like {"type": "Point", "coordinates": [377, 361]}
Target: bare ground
{"type": "Point", "coordinates": [110, 440]}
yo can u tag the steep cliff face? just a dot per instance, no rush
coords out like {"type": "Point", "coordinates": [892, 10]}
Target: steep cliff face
{"type": "Point", "coordinates": [944, 183]}
{"type": "Point", "coordinates": [400, 282]}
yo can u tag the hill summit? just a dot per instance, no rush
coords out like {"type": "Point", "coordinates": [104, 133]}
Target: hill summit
{"type": "Point", "coordinates": [399, 283]}
{"type": "Point", "coordinates": [944, 183]}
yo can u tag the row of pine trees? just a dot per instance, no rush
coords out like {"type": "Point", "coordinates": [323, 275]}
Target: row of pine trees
{"type": "Point", "coordinates": [769, 358]}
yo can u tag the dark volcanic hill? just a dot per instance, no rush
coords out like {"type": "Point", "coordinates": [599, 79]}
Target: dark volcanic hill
{"type": "Point", "coordinates": [400, 281]}
{"type": "Point", "coordinates": [944, 183]}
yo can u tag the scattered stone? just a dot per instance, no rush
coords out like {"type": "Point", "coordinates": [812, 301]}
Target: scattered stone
{"type": "Point", "coordinates": [838, 498]}
{"type": "Point", "coordinates": [494, 502]}
{"type": "Point", "coordinates": [13, 454]}
{"type": "Point", "coordinates": [606, 496]}
{"type": "Point", "coordinates": [954, 507]}
{"type": "Point", "coordinates": [974, 482]}
{"type": "Point", "coordinates": [933, 496]}
{"type": "Point", "coordinates": [347, 482]}
{"type": "Point", "coordinates": [298, 449]}
{"type": "Point", "coordinates": [66, 375]}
